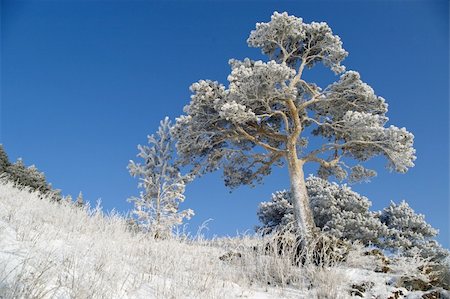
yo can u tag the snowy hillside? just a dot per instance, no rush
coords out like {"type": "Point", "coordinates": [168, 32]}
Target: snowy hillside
{"type": "Point", "coordinates": [51, 250]}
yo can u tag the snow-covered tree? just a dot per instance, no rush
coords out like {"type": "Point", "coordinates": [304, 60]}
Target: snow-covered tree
{"type": "Point", "coordinates": [259, 119]}
{"type": "Point", "coordinates": [345, 214]}
{"type": "Point", "coordinates": [80, 201]}
{"type": "Point", "coordinates": [276, 214]}
{"type": "Point", "coordinates": [4, 161]}
{"type": "Point", "coordinates": [67, 199]}
{"type": "Point", "coordinates": [17, 172]}
{"type": "Point", "coordinates": [157, 207]}
{"type": "Point", "coordinates": [337, 211]}
{"type": "Point", "coordinates": [28, 176]}
{"type": "Point", "coordinates": [409, 231]}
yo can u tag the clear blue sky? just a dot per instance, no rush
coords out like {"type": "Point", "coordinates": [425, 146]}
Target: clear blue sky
{"type": "Point", "coordinates": [84, 82]}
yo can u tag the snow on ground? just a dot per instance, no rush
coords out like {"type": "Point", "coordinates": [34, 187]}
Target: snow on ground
{"type": "Point", "coordinates": [51, 250]}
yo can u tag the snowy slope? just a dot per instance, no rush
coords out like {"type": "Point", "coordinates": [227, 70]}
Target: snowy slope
{"type": "Point", "coordinates": [50, 250]}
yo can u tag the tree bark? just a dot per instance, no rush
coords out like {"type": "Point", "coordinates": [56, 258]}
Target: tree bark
{"type": "Point", "coordinates": [300, 201]}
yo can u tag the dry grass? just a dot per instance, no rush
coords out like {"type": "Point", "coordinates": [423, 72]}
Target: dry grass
{"type": "Point", "coordinates": [51, 250]}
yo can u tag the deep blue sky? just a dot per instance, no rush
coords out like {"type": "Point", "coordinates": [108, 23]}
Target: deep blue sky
{"type": "Point", "coordinates": [84, 82]}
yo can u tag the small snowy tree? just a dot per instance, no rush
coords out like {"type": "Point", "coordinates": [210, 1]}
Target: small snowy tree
{"type": "Point", "coordinates": [157, 207]}
{"type": "Point", "coordinates": [337, 211]}
{"type": "Point", "coordinates": [80, 201]}
{"type": "Point", "coordinates": [67, 199]}
{"type": "Point", "coordinates": [4, 160]}
{"type": "Point", "coordinates": [259, 120]}
{"type": "Point", "coordinates": [409, 231]}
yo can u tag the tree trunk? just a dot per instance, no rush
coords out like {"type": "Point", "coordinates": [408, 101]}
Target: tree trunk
{"type": "Point", "coordinates": [300, 201]}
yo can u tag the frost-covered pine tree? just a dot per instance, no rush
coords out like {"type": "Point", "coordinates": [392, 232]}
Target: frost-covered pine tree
{"type": "Point", "coordinates": [4, 160]}
{"type": "Point", "coordinates": [28, 176]}
{"type": "Point", "coordinates": [409, 231]}
{"type": "Point", "coordinates": [25, 176]}
{"type": "Point", "coordinates": [163, 186]}
{"type": "Point", "coordinates": [80, 201]}
{"type": "Point", "coordinates": [337, 210]}
{"type": "Point", "coordinates": [17, 172]}
{"type": "Point", "coordinates": [67, 199]}
{"type": "Point", "coordinates": [276, 214]}
{"type": "Point", "coordinates": [267, 111]}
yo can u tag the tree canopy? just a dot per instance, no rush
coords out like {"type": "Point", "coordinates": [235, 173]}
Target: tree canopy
{"type": "Point", "coordinates": [268, 111]}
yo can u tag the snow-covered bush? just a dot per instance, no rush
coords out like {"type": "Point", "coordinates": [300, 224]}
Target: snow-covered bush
{"type": "Point", "coordinates": [409, 231]}
{"type": "Point", "coordinates": [276, 214]}
{"type": "Point", "coordinates": [408, 228]}
{"type": "Point", "coordinates": [337, 210]}
{"type": "Point", "coordinates": [163, 186]}
{"type": "Point", "coordinates": [343, 213]}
